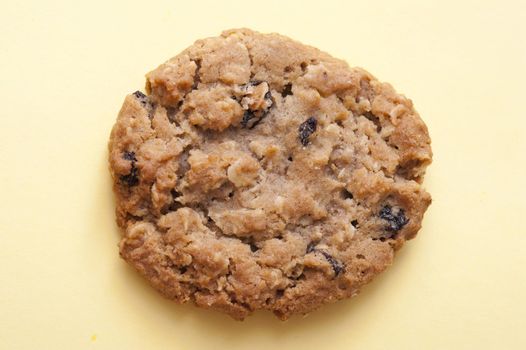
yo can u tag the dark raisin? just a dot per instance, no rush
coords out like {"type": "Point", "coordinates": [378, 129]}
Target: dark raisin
{"type": "Point", "coordinates": [306, 129]}
{"type": "Point", "coordinates": [287, 90]}
{"type": "Point", "coordinates": [354, 223]}
{"type": "Point", "coordinates": [394, 221]}
{"type": "Point", "coordinates": [311, 247]}
{"type": "Point", "coordinates": [337, 266]}
{"type": "Point", "coordinates": [269, 101]}
{"type": "Point", "coordinates": [247, 117]}
{"type": "Point", "coordinates": [128, 155]}
{"type": "Point", "coordinates": [252, 117]}
{"type": "Point", "coordinates": [244, 87]}
{"type": "Point", "coordinates": [132, 179]}
{"type": "Point", "coordinates": [143, 99]}
{"type": "Point", "coordinates": [374, 119]}
{"type": "Point", "coordinates": [139, 95]}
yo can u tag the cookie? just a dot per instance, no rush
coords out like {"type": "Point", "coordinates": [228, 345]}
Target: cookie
{"type": "Point", "coordinates": [260, 173]}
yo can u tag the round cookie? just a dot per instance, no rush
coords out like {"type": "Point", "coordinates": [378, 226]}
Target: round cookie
{"type": "Point", "coordinates": [260, 173]}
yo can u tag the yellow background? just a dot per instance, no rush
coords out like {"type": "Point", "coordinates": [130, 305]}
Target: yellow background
{"type": "Point", "coordinates": [65, 68]}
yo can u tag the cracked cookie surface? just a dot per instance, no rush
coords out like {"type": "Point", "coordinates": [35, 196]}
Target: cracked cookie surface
{"type": "Point", "coordinates": [261, 173]}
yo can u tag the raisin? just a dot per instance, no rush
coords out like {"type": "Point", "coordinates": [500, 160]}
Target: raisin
{"type": "Point", "coordinates": [354, 223]}
{"type": "Point", "coordinates": [287, 90]}
{"type": "Point", "coordinates": [337, 266]}
{"type": "Point", "coordinates": [129, 155]}
{"type": "Point", "coordinates": [143, 99]}
{"type": "Point", "coordinates": [394, 221]}
{"type": "Point", "coordinates": [252, 117]}
{"type": "Point", "coordinates": [132, 179]}
{"type": "Point", "coordinates": [268, 99]}
{"type": "Point", "coordinates": [249, 119]}
{"type": "Point", "coordinates": [244, 87]}
{"type": "Point", "coordinates": [306, 129]}
{"type": "Point", "coordinates": [139, 95]}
